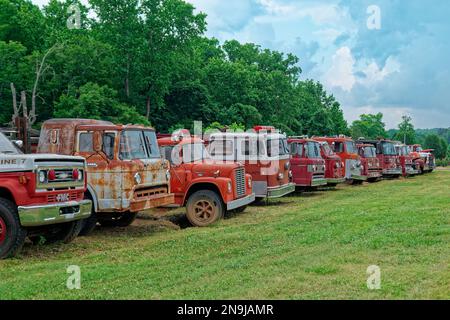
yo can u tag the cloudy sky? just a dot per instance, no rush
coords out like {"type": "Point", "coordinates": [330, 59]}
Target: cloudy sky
{"type": "Point", "coordinates": [398, 64]}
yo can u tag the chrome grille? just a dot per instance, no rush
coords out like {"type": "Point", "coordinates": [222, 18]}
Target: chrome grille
{"type": "Point", "coordinates": [240, 182]}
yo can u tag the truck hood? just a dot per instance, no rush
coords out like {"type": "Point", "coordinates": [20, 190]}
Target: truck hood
{"type": "Point", "coordinates": [208, 168]}
{"type": "Point", "coordinates": [27, 162]}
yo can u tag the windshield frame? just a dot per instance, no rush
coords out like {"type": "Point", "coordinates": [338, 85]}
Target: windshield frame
{"type": "Point", "coordinates": [149, 155]}
{"type": "Point", "coordinates": [283, 147]}
{"type": "Point", "coordinates": [7, 146]}
{"type": "Point", "coordinates": [388, 148]}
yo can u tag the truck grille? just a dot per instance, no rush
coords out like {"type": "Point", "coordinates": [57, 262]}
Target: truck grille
{"type": "Point", "coordinates": [240, 182]}
{"type": "Point", "coordinates": [150, 192]}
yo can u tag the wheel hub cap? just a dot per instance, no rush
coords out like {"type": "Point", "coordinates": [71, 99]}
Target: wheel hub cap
{"type": "Point", "coordinates": [204, 210]}
{"type": "Point", "coordinates": [2, 230]}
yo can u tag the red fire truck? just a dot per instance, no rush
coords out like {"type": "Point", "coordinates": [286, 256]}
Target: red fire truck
{"type": "Point", "coordinates": [265, 155]}
{"type": "Point", "coordinates": [387, 154]}
{"type": "Point", "coordinates": [334, 166]}
{"type": "Point", "coordinates": [371, 164]}
{"type": "Point", "coordinates": [307, 164]}
{"type": "Point", "coordinates": [406, 160]}
{"type": "Point", "coordinates": [207, 188]}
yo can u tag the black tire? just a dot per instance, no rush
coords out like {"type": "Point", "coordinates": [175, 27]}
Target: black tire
{"type": "Point", "coordinates": [65, 233]}
{"type": "Point", "coordinates": [204, 208]}
{"type": "Point", "coordinates": [124, 220]}
{"type": "Point", "coordinates": [373, 180]}
{"type": "Point", "coordinates": [12, 235]}
{"type": "Point", "coordinates": [89, 224]}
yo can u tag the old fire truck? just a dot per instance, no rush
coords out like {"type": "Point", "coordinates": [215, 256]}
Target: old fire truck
{"type": "Point", "coordinates": [265, 155]}
{"type": "Point", "coordinates": [424, 159]}
{"type": "Point", "coordinates": [346, 149]}
{"type": "Point", "coordinates": [126, 173]}
{"type": "Point", "coordinates": [41, 196]}
{"type": "Point", "coordinates": [334, 167]}
{"type": "Point", "coordinates": [406, 160]}
{"type": "Point", "coordinates": [387, 154]}
{"type": "Point", "coordinates": [307, 164]}
{"type": "Point", "coordinates": [372, 168]}
{"type": "Point", "coordinates": [207, 188]}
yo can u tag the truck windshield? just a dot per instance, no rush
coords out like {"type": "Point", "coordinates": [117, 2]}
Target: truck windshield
{"type": "Point", "coordinates": [327, 149]}
{"type": "Point", "coordinates": [351, 147]}
{"type": "Point", "coordinates": [277, 147]}
{"type": "Point", "coordinates": [313, 150]}
{"type": "Point", "coordinates": [370, 152]}
{"type": "Point", "coordinates": [6, 146]}
{"type": "Point", "coordinates": [388, 149]}
{"type": "Point", "coordinates": [195, 152]}
{"type": "Point", "coordinates": [137, 144]}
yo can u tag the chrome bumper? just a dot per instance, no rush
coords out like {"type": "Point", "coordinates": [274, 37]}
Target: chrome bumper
{"type": "Point", "coordinates": [335, 180]}
{"type": "Point", "coordinates": [319, 182]}
{"type": "Point", "coordinates": [358, 177]}
{"type": "Point", "coordinates": [281, 191]}
{"type": "Point", "coordinates": [42, 215]}
{"type": "Point", "coordinates": [240, 202]}
{"type": "Point", "coordinates": [410, 171]}
{"type": "Point", "coordinates": [393, 172]}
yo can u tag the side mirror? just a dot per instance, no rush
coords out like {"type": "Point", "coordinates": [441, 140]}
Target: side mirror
{"type": "Point", "coordinates": [98, 141]}
{"type": "Point", "coordinates": [18, 143]}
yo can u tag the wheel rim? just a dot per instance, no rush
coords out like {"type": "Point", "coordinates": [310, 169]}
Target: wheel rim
{"type": "Point", "coordinates": [2, 230]}
{"type": "Point", "coordinates": [204, 210]}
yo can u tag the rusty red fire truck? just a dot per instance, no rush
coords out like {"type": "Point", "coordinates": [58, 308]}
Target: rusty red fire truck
{"type": "Point", "coordinates": [406, 160]}
{"type": "Point", "coordinates": [126, 173]}
{"type": "Point", "coordinates": [207, 188]}
{"type": "Point", "coordinates": [334, 166]}
{"type": "Point", "coordinates": [387, 154]}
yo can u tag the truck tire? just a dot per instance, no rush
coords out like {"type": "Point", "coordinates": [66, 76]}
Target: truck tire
{"type": "Point", "coordinates": [204, 208]}
{"type": "Point", "coordinates": [123, 221]}
{"type": "Point", "coordinates": [89, 224]}
{"type": "Point", "coordinates": [12, 235]}
{"type": "Point", "coordinates": [65, 233]}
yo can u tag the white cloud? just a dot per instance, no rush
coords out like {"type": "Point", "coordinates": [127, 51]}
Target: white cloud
{"type": "Point", "coordinates": [340, 74]}
{"type": "Point", "coordinates": [374, 74]}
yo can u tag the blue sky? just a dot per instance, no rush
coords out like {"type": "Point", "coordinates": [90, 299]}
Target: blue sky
{"type": "Point", "coordinates": [400, 68]}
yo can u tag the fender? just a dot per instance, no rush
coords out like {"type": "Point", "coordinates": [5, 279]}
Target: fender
{"type": "Point", "coordinates": [219, 183]}
{"type": "Point", "coordinates": [94, 197]}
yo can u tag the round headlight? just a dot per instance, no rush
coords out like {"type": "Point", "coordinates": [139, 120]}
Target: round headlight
{"type": "Point", "coordinates": [138, 178]}
{"type": "Point", "coordinates": [42, 176]}
{"type": "Point", "coordinates": [281, 176]}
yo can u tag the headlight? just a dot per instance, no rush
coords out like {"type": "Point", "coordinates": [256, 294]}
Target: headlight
{"type": "Point", "coordinates": [137, 178]}
{"type": "Point", "coordinates": [290, 174]}
{"type": "Point", "coordinates": [80, 175]}
{"type": "Point", "coordinates": [250, 182]}
{"type": "Point", "coordinates": [280, 176]}
{"type": "Point", "coordinates": [168, 175]}
{"type": "Point", "coordinates": [230, 187]}
{"type": "Point", "coordinates": [42, 176]}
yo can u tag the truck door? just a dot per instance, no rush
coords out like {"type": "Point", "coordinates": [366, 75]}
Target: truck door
{"type": "Point", "coordinates": [104, 169]}
{"type": "Point", "coordinates": [298, 164]}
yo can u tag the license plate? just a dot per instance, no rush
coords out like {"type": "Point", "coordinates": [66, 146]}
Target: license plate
{"type": "Point", "coordinates": [62, 197]}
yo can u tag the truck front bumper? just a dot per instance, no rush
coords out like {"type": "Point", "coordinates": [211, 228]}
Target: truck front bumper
{"type": "Point", "coordinates": [335, 181]}
{"type": "Point", "coordinates": [152, 202]}
{"type": "Point", "coordinates": [410, 171]}
{"type": "Point", "coordinates": [358, 177]}
{"type": "Point", "coordinates": [240, 202]}
{"type": "Point", "coordinates": [319, 182]}
{"type": "Point", "coordinates": [281, 191]}
{"type": "Point", "coordinates": [42, 215]}
{"type": "Point", "coordinates": [393, 172]}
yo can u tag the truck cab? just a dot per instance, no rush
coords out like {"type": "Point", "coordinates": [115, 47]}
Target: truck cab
{"type": "Point", "coordinates": [307, 164]}
{"type": "Point", "coordinates": [41, 197]}
{"type": "Point", "coordinates": [345, 148]}
{"type": "Point", "coordinates": [126, 173]}
{"type": "Point", "coordinates": [371, 164]}
{"type": "Point", "coordinates": [207, 188]}
{"type": "Point", "coordinates": [406, 160]}
{"type": "Point", "coordinates": [264, 152]}
{"type": "Point", "coordinates": [424, 159]}
{"type": "Point", "coordinates": [387, 154]}
{"type": "Point", "coordinates": [334, 166]}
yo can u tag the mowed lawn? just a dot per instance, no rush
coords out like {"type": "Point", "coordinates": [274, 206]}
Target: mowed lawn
{"type": "Point", "coordinates": [310, 246]}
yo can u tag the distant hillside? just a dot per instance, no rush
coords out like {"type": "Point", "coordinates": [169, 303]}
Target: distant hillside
{"type": "Point", "coordinates": [422, 133]}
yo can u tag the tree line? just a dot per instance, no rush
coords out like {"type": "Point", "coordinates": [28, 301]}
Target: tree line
{"type": "Point", "coordinates": [149, 62]}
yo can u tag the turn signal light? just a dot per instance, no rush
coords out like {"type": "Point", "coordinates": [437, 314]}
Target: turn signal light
{"type": "Point", "coordinates": [51, 175]}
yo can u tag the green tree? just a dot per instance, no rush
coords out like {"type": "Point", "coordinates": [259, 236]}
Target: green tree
{"type": "Point", "coordinates": [97, 102]}
{"type": "Point", "coordinates": [440, 146]}
{"type": "Point", "coordinates": [369, 126]}
{"type": "Point", "coordinates": [406, 132]}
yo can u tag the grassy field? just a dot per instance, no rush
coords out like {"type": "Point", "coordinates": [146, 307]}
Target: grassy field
{"type": "Point", "coordinates": [313, 246]}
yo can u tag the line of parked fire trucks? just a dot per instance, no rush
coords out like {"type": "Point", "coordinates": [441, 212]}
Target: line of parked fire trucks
{"type": "Point", "coordinates": [86, 173]}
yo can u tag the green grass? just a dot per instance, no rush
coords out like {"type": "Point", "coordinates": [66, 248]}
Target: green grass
{"type": "Point", "coordinates": [314, 246]}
